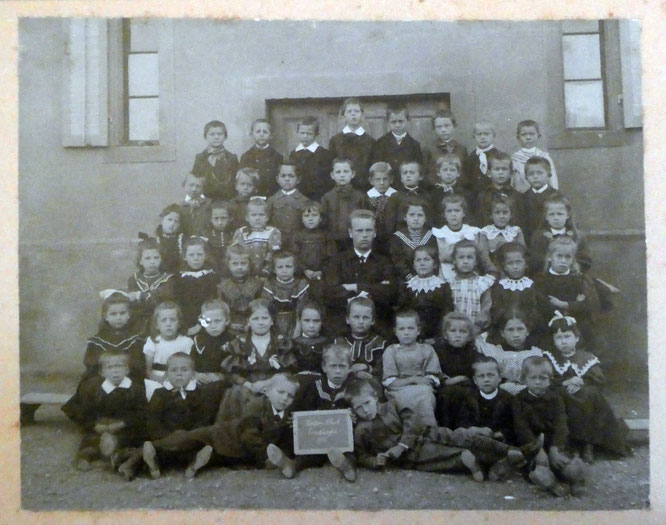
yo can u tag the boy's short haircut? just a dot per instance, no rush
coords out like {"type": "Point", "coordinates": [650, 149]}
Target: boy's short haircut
{"type": "Point", "coordinates": [283, 377]}
{"type": "Point", "coordinates": [215, 124]}
{"type": "Point", "coordinates": [484, 123]}
{"type": "Point", "coordinates": [216, 304]}
{"type": "Point", "coordinates": [361, 301]}
{"type": "Point", "coordinates": [449, 158]}
{"type": "Point", "coordinates": [309, 304]}
{"type": "Point", "coordinates": [165, 305]}
{"type": "Point", "coordinates": [395, 108]}
{"type": "Point", "coordinates": [455, 199]}
{"type": "Point", "coordinates": [510, 247]}
{"type": "Point", "coordinates": [465, 243]}
{"type": "Point", "coordinates": [309, 121]}
{"type": "Point", "coordinates": [483, 359]}
{"type": "Point", "coordinates": [414, 200]}
{"type": "Point", "coordinates": [171, 208]}
{"type": "Point", "coordinates": [251, 173]}
{"type": "Point", "coordinates": [342, 160]}
{"type": "Point", "coordinates": [115, 298]}
{"type": "Point", "coordinates": [361, 214]}
{"type": "Point", "coordinates": [288, 162]}
{"type": "Point", "coordinates": [360, 388]}
{"type": "Point", "coordinates": [536, 361]}
{"type": "Point", "coordinates": [239, 250]}
{"type": "Point", "coordinates": [341, 351]}
{"type": "Point", "coordinates": [260, 121]}
{"type": "Point", "coordinates": [256, 202]}
{"type": "Point", "coordinates": [457, 316]}
{"type": "Point", "coordinates": [283, 254]}
{"type": "Point", "coordinates": [180, 355]}
{"type": "Point", "coordinates": [538, 161]}
{"type": "Point", "coordinates": [348, 101]}
{"type": "Point", "coordinates": [498, 156]}
{"type": "Point", "coordinates": [379, 167]}
{"type": "Point", "coordinates": [408, 314]}
{"type": "Point", "coordinates": [195, 240]}
{"type": "Point", "coordinates": [407, 162]}
{"type": "Point", "coordinates": [222, 205]}
{"type": "Point", "coordinates": [312, 206]}
{"type": "Point", "coordinates": [443, 113]}
{"type": "Point", "coordinates": [113, 354]}
{"type": "Point", "coordinates": [527, 124]}
{"type": "Point", "coordinates": [429, 249]}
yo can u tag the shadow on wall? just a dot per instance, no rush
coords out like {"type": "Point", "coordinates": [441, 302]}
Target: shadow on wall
{"type": "Point", "coordinates": [59, 302]}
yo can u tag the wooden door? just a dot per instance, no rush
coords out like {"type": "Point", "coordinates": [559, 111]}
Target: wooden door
{"type": "Point", "coordinates": [284, 115]}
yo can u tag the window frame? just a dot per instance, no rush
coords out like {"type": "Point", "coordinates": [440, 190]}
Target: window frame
{"type": "Point", "coordinates": [118, 151]}
{"type": "Point", "coordinates": [613, 134]}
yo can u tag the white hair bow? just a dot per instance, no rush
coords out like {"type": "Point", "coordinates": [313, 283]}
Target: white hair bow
{"type": "Point", "coordinates": [361, 294]}
{"type": "Point", "coordinates": [558, 315]}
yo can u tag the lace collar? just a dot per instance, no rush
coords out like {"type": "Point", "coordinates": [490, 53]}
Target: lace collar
{"type": "Point", "coordinates": [466, 232]}
{"type": "Point", "coordinates": [197, 274]}
{"type": "Point", "coordinates": [509, 232]}
{"type": "Point", "coordinates": [580, 369]}
{"type": "Point", "coordinates": [516, 284]}
{"type": "Point", "coordinates": [424, 284]}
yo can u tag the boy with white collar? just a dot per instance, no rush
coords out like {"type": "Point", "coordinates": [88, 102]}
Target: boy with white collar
{"type": "Point", "coordinates": [312, 161]}
{"type": "Point", "coordinates": [195, 207]}
{"type": "Point", "coordinates": [477, 167]}
{"type": "Point", "coordinates": [109, 409]}
{"type": "Point", "coordinates": [285, 207]}
{"type": "Point", "coordinates": [397, 146]}
{"type": "Point", "coordinates": [383, 200]}
{"type": "Point", "coordinates": [530, 205]}
{"type": "Point", "coordinates": [262, 157]}
{"type": "Point", "coordinates": [528, 135]}
{"type": "Point", "coordinates": [353, 142]}
{"type": "Point", "coordinates": [181, 404]}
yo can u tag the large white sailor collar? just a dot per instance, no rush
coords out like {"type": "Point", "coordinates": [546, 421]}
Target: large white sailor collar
{"type": "Point", "coordinates": [579, 370]}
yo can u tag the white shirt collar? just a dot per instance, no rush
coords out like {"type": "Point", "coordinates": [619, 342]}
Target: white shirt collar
{"type": "Point", "coordinates": [290, 192]}
{"type": "Point", "coordinates": [364, 255]}
{"type": "Point", "coordinates": [550, 271]}
{"type": "Point", "coordinates": [529, 151]}
{"type": "Point", "coordinates": [277, 413]}
{"type": "Point", "coordinates": [399, 137]}
{"type": "Point", "coordinates": [358, 131]}
{"type": "Point", "coordinates": [331, 385]}
{"type": "Point", "coordinates": [492, 395]}
{"type": "Point", "coordinates": [262, 147]}
{"type": "Point", "coordinates": [541, 190]}
{"type": "Point", "coordinates": [483, 150]}
{"type": "Point", "coordinates": [189, 387]}
{"type": "Point", "coordinates": [561, 231]}
{"type": "Point", "coordinates": [311, 148]}
{"type": "Point", "coordinates": [372, 192]}
{"type": "Point", "coordinates": [188, 198]}
{"type": "Point", "coordinates": [109, 387]}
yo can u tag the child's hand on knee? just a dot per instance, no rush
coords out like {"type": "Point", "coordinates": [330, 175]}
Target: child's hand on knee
{"type": "Point", "coordinates": [381, 459]}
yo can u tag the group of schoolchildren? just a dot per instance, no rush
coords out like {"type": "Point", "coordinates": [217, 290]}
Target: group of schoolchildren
{"type": "Point", "coordinates": [442, 297]}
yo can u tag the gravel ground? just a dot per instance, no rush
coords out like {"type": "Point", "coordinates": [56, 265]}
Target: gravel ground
{"type": "Point", "coordinates": [49, 482]}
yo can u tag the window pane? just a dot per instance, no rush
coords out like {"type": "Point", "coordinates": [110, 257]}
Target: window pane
{"type": "Point", "coordinates": [143, 35]}
{"type": "Point", "coordinates": [582, 56]}
{"type": "Point", "coordinates": [144, 119]}
{"type": "Point", "coordinates": [143, 75]}
{"type": "Point", "coordinates": [584, 102]}
{"type": "Point", "coordinates": [580, 26]}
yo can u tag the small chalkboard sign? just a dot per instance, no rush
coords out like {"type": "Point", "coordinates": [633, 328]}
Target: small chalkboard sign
{"type": "Point", "coordinates": [319, 431]}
